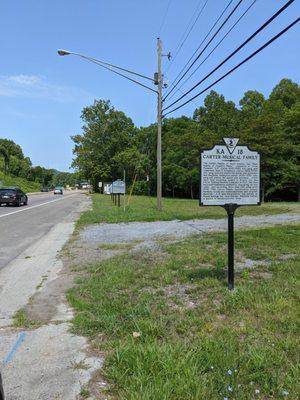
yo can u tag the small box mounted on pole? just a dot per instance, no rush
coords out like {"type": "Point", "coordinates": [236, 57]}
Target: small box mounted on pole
{"type": "Point", "coordinates": [230, 178]}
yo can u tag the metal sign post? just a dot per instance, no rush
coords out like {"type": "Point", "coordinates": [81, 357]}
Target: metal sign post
{"type": "Point", "coordinates": [118, 188]}
{"type": "Point", "coordinates": [230, 178]}
{"type": "Point", "coordinates": [230, 209]}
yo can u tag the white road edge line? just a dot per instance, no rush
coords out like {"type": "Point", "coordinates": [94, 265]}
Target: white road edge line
{"type": "Point", "coordinates": [37, 205]}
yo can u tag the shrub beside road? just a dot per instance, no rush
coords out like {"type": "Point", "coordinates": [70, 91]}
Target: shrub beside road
{"type": "Point", "coordinates": [25, 185]}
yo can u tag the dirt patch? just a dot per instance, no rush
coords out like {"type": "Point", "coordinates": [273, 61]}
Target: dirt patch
{"type": "Point", "coordinates": [247, 263]}
{"type": "Point", "coordinates": [178, 295]}
{"type": "Point", "coordinates": [265, 275]}
{"type": "Point", "coordinates": [49, 301]}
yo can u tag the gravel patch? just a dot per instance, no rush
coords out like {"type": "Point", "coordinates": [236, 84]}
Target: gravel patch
{"type": "Point", "coordinates": [149, 231]}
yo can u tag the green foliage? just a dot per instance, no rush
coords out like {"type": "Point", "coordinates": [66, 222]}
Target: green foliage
{"type": "Point", "coordinates": [110, 142]}
{"type": "Point", "coordinates": [251, 105]}
{"type": "Point", "coordinates": [65, 178]}
{"type": "Point", "coordinates": [287, 92]}
{"type": "Point", "coordinates": [106, 133]}
{"type": "Point", "coordinates": [25, 185]}
{"type": "Point", "coordinates": [274, 132]}
{"type": "Point", "coordinates": [18, 170]}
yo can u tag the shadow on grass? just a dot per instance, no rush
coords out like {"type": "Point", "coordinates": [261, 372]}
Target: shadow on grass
{"type": "Point", "coordinates": [200, 274]}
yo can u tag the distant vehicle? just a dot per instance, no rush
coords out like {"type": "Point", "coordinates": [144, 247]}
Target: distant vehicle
{"type": "Point", "coordinates": [13, 196]}
{"type": "Point", "coordinates": [45, 189]}
{"type": "Point", "coordinates": [58, 190]}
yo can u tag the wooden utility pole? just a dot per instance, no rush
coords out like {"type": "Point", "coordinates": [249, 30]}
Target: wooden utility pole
{"type": "Point", "coordinates": [159, 122]}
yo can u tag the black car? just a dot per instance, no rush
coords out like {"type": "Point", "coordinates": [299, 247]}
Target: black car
{"type": "Point", "coordinates": [13, 196]}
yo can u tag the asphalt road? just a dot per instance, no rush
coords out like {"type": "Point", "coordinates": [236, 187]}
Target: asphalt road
{"type": "Point", "coordinates": [22, 226]}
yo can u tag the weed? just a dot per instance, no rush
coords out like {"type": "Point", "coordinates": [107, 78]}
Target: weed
{"type": "Point", "coordinates": [21, 320]}
{"type": "Point", "coordinates": [84, 393]}
{"type": "Point", "coordinates": [185, 352]}
{"type": "Point", "coordinates": [79, 365]}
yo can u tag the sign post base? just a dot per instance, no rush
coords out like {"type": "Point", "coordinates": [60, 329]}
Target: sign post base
{"type": "Point", "coordinates": [230, 209]}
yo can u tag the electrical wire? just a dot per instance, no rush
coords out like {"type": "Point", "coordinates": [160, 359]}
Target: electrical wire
{"type": "Point", "coordinates": [187, 63]}
{"type": "Point", "coordinates": [238, 65]}
{"type": "Point", "coordinates": [213, 50]}
{"type": "Point", "coordinates": [211, 39]}
{"type": "Point", "coordinates": [185, 35]}
{"type": "Point", "coordinates": [235, 51]}
{"type": "Point", "coordinates": [164, 18]}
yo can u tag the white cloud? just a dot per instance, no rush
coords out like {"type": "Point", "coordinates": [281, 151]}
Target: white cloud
{"type": "Point", "coordinates": [38, 87]}
{"type": "Point", "coordinates": [27, 80]}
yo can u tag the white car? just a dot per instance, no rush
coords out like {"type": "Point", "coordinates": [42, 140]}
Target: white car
{"type": "Point", "coordinates": [58, 190]}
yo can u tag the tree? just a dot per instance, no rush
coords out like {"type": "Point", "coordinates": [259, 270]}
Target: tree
{"type": "Point", "coordinates": [219, 117]}
{"type": "Point", "coordinates": [106, 132]}
{"type": "Point", "coordinates": [270, 134]}
{"type": "Point", "coordinates": [110, 142]}
{"type": "Point", "coordinates": [12, 154]}
{"type": "Point", "coordinates": [4, 153]}
{"type": "Point", "coordinates": [64, 178]}
{"type": "Point", "coordinates": [291, 128]}
{"type": "Point", "coordinates": [251, 105]}
{"type": "Point", "coordinates": [287, 91]}
{"type": "Point", "coordinates": [130, 160]}
{"type": "Point", "coordinates": [12, 148]}
{"type": "Point", "coordinates": [181, 146]}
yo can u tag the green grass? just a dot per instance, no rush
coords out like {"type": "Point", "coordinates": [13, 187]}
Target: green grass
{"type": "Point", "coordinates": [21, 320]}
{"type": "Point", "coordinates": [192, 329]}
{"type": "Point", "coordinates": [143, 208]}
{"type": "Point", "coordinates": [23, 184]}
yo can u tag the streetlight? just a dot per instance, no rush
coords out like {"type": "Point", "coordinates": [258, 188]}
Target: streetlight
{"type": "Point", "coordinates": [158, 81]}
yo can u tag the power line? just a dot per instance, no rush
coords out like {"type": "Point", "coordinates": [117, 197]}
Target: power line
{"type": "Point", "coordinates": [213, 50]}
{"type": "Point", "coordinates": [186, 35]}
{"type": "Point", "coordinates": [238, 65]}
{"type": "Point", "coordinates": [207, 44]}
{"type": "Point", "coordinates": [186, 64]}
{"type": "Point", "coordinates": [235, 51]}
{"type": "Point", "coordinates": [164, 18]}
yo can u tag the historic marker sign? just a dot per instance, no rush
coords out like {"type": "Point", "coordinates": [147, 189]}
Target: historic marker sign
{"type": "Point", "coordinates": [230, 177]}
{"type": "Point", "coordinates": [118, 187]}
{"type": "Point", "coordinates": [230, 174]}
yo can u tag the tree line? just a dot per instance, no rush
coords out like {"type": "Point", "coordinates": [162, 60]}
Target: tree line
{"type": "Point", "coordinates": [14, 163]}
{"type": "Point", "coordinates": [110, 142]}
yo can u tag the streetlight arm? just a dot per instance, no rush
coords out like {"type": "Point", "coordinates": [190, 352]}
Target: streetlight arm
{"type": "Point", "coordinates": [124, 76]}
{"type": "Point", "coordinates": [66, 52]}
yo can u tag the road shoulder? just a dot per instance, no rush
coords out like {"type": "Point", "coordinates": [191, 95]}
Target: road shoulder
{"type": "Point", "coordinates": [42, 359]}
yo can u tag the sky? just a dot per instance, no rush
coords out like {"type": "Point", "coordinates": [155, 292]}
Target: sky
{"type": "Point", "coordinates": [42, 94]}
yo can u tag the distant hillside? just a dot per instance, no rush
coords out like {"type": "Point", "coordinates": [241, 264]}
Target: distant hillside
{"type": "Point", "coordinates": [26, 186]}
